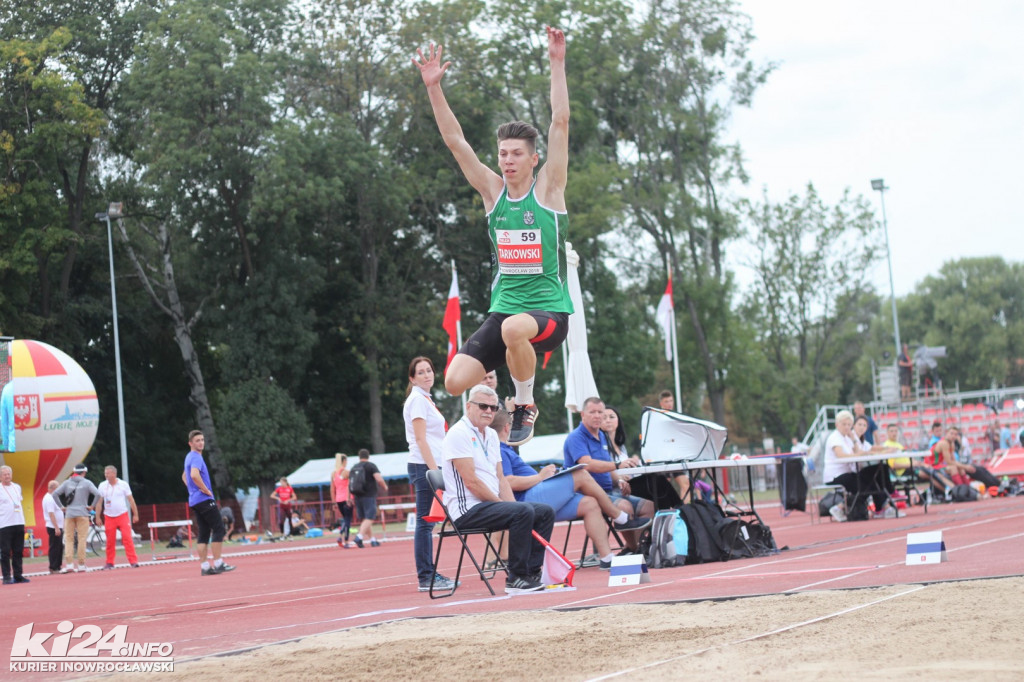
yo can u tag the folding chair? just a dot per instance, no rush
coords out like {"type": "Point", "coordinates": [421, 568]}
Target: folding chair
{"type": "Point", "coordinates": [909, 483]}
{"type": "Point", "coordinates": [586, 539]}
{"type": "Point", "coordinates": [448, 529]}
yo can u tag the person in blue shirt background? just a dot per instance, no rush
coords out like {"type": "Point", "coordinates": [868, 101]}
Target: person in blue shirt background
{"type": "Point", "coordinates": [209, 524]}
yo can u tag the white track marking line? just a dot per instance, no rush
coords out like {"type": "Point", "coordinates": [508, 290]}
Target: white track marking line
{"type": "Point", "coordinates": [761, 635]}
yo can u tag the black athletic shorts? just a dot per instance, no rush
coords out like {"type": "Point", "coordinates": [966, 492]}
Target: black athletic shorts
{"type": "Point", "coordinates": [487, 346]}
{"type": "Point", "coordinates": [209, 524]}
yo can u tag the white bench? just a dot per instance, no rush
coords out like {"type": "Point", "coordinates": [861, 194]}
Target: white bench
{"type": "Point", "coordinates": [398, 507]}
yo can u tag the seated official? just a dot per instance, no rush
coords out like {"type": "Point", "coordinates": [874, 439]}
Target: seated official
{"type": "Point", "coordinates": [841, 445]}
{"type": "Point", "coordinates": [575, 495]}
{"type": "Point", "coordinates": [904, 466]}
{"type": "Point", "coordinates": [881, 480]}
{"type": "Point", "coordinates": [478, 496]}
{"type": "Point", "coordinates": [588, 445]}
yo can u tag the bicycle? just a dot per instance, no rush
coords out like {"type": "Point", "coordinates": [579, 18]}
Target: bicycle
{"type": "Point", "coordinates": [96, 541]}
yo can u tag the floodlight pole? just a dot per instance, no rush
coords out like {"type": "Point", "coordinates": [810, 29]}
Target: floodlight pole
{"type": "Point", "coordinates": [114, 211]}
{"type": "Point", "coordinates": [879, 186]}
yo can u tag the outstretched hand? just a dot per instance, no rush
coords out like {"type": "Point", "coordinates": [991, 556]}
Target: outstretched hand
{"type": "Point", "coordinates": [556, 43]}
{"type": "Point", "coordinates": [431, 69]}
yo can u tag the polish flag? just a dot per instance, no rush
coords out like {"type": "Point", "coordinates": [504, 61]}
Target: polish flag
{"type": "Point", "coordinates": [452, 315]}
{"type": "Point", "coordinates": [666, 318]}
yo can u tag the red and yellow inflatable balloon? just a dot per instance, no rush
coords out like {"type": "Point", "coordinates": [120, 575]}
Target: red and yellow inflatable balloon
{"type": "Point", "coordinates": [56, 415]}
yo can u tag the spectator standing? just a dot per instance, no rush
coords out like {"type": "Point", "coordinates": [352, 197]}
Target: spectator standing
{"type": "Point", "coordinates": [906, 368]}
{"type": "Point", "coordinates": [425, 427]}
{"type": "Point", "coordinates": [283, 494]}
{"type": "Point", "coordinates": [992, 436]}
{"type": "Point", "coordinates": [366, 497]}
{"type": "Point", "coordinates": [1005, 437]}
{"type": "Point", "coordinates": [209, 524]}
{"type": "Point", "coordinates": [936, 434]}
{"type": "Point", "coordinates": [491, 380]}
{"type": "Point", "coordinates": [12, 528]}
{"type": "Point", "coordinates": [342, 497]}
{"type": "Point", "coordinates": [54, 516]}
{"type": "Point", "coordinates": [117, 504]}
{"type": "Point", "coordinates": [76, 516]}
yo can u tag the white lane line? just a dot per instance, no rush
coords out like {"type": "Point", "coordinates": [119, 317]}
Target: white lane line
{"type": "Point", "coordinates": [761, 635]}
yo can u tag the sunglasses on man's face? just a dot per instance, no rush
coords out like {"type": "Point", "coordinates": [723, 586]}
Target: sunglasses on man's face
{"type": "Point", "coordinates": [485, 407]}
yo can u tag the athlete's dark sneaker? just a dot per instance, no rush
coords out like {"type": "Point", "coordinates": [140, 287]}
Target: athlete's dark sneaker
{"type": "Point", "coordinates": [523, 419]}
{"type": "Point", "coordinates": [223, 568]}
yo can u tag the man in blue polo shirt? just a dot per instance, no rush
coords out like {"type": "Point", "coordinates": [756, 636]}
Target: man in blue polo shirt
{"type": "Point", "coordinates": [587, 445]}
{"type": "Point", "coordinates": [196, 478]}
{"type": "Point", "coordinates": [573, 495]}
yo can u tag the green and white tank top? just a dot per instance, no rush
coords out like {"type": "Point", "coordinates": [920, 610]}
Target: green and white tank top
{"type": "Point", "coordinates": [528, 240]}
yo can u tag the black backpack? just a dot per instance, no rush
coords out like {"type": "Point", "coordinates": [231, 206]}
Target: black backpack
{"type": "Point", "coordinates": [358, 482]}
{"type": "Point", "coordinates": [67, 497]}
{"type": "Point", "coordinates": [703, 521]}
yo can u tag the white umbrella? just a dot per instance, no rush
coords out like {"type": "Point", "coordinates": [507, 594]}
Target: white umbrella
{"type": "Point", "coordinates": [579, 377]}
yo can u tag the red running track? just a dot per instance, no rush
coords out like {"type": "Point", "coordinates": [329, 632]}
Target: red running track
{"type": "Point", "coordinates": [282, 594]}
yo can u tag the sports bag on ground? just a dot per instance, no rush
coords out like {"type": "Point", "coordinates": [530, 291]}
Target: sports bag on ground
{"type": "Point", "coordinates": [703, 522]}
{"type": "Point", "coordinates": [668, 541]}
{"type": "Point", "coordinates": [828, 501]}
{"type": "Point", "coordinates": [962, 492]}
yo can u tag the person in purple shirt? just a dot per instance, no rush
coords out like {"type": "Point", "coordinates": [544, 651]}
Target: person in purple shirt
{"type": "Point", "coordinates": [209, 524]}
{"type": "Point", "coordinates": [574, 495]}
{"type": "Point", "coordinates": [588, 445]}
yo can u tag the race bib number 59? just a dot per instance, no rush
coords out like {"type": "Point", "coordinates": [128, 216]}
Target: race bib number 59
{"type": "Point", "coordinates": [520, 252]}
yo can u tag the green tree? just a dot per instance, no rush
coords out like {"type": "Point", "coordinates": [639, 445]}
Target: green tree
{"type": "Point", "coordinates": [62, 62]}
{"type": "Point", "coordinates": [975, 308]}
{"type": "Point", "coordinates": [264, 435]}
{"type": "Point", "coordinates": [687, 66]}
{"type": "Point", "coordinates": [44, 116]}
{"type": "Point", "coordinates": [807, 306]}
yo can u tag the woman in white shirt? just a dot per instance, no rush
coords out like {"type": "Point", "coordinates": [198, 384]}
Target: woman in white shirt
{"type": "Point", "coordinates": [837, 472]}
{"type": "Point", "coordinates": [425, 427]}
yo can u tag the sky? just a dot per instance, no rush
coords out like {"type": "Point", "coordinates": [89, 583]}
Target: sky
{"type": "Point", "coordinates": [928, 96]}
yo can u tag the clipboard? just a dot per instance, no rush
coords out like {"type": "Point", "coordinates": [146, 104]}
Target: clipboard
{"type": "Point", "coordinates": [568, 470]}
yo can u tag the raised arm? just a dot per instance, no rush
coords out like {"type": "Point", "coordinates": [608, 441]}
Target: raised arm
{"type": "Point", "coordinates": [552, 178]}
{"type": "Point", "coordinates": [483, 179]}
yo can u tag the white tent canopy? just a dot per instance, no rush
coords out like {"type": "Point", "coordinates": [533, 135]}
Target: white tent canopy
{"type": "Point", "coordinates": [539, 451]}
